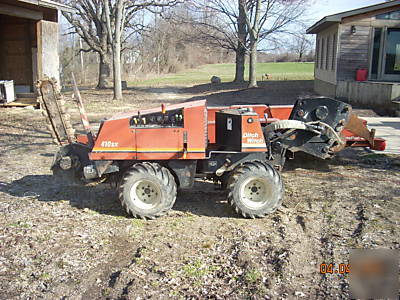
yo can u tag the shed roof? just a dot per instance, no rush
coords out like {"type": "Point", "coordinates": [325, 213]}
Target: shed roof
{"type": "Point", "coordinates": [337, 18]}
{"type": "Point", "coordinates": [49, 4]}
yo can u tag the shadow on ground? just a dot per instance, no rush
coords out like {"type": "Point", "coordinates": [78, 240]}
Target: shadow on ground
{"type": "Point", "coordinates": [361, 157]}
{"type": "Point", "coordinates": [157, 90]}
{"type": "Point", "coordinates": [268, 92]}
{"type": "Point", "coordinates": [271, 92]}
{"type": "Point", "coordinates": [204, 199]}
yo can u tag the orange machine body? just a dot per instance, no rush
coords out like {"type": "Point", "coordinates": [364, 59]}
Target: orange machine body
{"type": "Point", "coordinates": [266, 114]}
{"type": "Point", "coordinates": [252, 135]}
{"type": "Point", "coordinates": [119, 138]}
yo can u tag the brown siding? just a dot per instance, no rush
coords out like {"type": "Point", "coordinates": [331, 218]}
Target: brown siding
{"type": "Point", "coordinates": [354, 51]}
{"type": "Point", "coordinates": [325, 66]}
{"type": "Point", "coordinates": [367, 18]}
{"type": "Point", "coordinates": [16, 43]}
{"type": "Point", "coordinates": [355, 48]}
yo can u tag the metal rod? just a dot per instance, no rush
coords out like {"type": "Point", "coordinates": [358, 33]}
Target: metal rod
{"type": "Point", "coordinates": [82, 112]}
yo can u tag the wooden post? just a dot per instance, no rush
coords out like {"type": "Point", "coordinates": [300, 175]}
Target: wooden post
{"type": "Point", "coordinates": [47, 50]}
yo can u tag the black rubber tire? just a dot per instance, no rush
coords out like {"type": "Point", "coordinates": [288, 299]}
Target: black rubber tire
{"type": "Point", "coordinates": [157, 175]}
{"type": "Point", "coordinates": [259, 172]}
{"type": "Point", "coordinates": [72, 176]}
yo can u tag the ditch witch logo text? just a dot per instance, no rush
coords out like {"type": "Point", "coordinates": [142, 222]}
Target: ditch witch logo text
{"type": "Point", "coordinates": [253, 138]}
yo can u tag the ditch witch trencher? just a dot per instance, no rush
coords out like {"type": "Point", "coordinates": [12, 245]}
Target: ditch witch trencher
{"type": "Point", "coordinates": [151, 153]}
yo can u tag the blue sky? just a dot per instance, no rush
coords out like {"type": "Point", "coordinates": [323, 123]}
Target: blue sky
{"type": "Point", "coordinates": [321, 8]}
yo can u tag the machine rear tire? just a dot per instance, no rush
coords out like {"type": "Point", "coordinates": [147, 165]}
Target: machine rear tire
{"type": "Point", "coordinates": [147, 190]}
{"type": "Point", "coordinates": [255, 189]}
{"type": "Point", "coordinates": [71, 176]}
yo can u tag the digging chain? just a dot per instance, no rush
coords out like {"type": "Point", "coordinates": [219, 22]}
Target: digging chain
{"type": "Point", "coordinates": [53, 104]}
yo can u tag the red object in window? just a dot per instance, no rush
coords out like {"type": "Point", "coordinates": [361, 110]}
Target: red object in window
{"type": "Point", "coordinates": [362, 75]}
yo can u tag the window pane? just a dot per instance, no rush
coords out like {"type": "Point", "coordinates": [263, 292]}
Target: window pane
{"type": "Point", "coordinates": [334, 52]}
{"type": "Point", "coordinates": [375, 51]}
{"type": "Point", "coordinates": [392, 63]}
{"type": "Point", "coordinates": [382, 16]}
{"type": "Point", "coordinates": [328, 51]}
{"type": "Point", "coordinates": [322, 53]}
{"type": "Point", "coordinates": [393, 15]}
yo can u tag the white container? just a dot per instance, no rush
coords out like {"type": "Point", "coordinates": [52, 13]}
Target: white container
{"type": "Point", "coordinates": [7, 91]}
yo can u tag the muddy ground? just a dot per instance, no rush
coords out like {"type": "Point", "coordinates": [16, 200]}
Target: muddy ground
{"type": "Point", "coordinates": [67, 242]}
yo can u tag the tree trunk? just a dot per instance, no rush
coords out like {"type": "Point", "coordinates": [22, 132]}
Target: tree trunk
{"type": "Point", "coordinates": [252, 64]}
{"type": "Point", "coordinates": [240, 61]}
{"type": "Point", "coordinates": [115, 34]}
{"type": "Point", "coordinates": [254, 32]}
{"type": "Point", "coordinates": [117, 70]}
{"type": "Point", "coordinates": [241, 48]}
{"type": "Point", "coordinates": [104, 70]}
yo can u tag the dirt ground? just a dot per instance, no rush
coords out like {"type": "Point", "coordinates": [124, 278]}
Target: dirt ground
{"type": "Point", "coordinates": [69, 242]}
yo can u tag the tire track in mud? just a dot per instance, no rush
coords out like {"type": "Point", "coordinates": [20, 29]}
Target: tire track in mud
{"type": "Point", "coordinates": [262, 253]}
{"type": "Point", "coordinates": [121, 280]}
{"type": "Point", "coordinates": [291, 256]}
{"type": "Point", "coordinates": [336, 238]}
{"type": "Point", "coordinates": [279, 257]}
{"type": "Point", "coordinates": [328, 255]}
{"type": "Point", "coordinates": [361, 225]}
{"type": "Point", "coordinates": [101, 282]}
{"type": "Point", "coordinates": [355, 237]}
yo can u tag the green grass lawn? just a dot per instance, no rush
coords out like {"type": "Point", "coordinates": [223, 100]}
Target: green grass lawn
{"type": "Point", "coordinates": [279, 71]}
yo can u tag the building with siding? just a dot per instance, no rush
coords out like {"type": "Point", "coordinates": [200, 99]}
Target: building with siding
{"type": "Point", "coordinates": [364, 41]}
{"type": "Point", "coordinates": [29, 43]}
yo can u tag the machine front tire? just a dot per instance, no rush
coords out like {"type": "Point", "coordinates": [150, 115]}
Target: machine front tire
{"type": "Point", "coordinates": [255, 189]}
{"type": "Point", "coordinates": [147, 190]}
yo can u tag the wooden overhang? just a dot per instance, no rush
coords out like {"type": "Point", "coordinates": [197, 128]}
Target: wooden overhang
{"type": "Point", "coordinates": [33, 9]}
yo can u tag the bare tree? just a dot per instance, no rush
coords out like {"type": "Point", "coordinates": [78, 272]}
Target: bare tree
{"type": "Point", "coordinates": [301, 44]}
{"type": "Point", "coordinates": [170, 45]}
{"type": "Point", "coordinates": [104, 25]}
{"type": "Point", "coordinates": [115, 32]}
{"type": "Point", "coordinates": [240, 25]}
{"type": "Point", "coordinates": [265, 18]}
{"type": "Point", "coordinates": [216, 23]}
{"type": "Point", "coordinates": [88, 21]}
{"type": "Point", "coordinates": [251, 11]}
{"type": "Point", "coordinates": [122, 11]}
{"type": "Point", "coordinates": [241, 44]}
